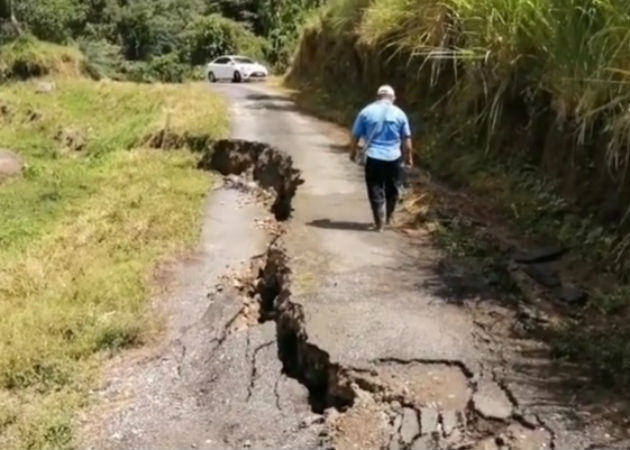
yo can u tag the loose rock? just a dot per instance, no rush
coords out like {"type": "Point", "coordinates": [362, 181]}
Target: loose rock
{"type": "Point", "coordinates": [410, 427]}
{"type": "Point", "coordinates": [45, 87]}
{"type": "Point", "coordinates": [543, 273]}
{"type": "Point", "coordinates": [428, 420]}
{"type": "Point", "coordinates": [492, 402]}
{"type": "Point", "coordinates": [571, 295]}
{"type": "Point", "coordinates": [424, 443]}
{"type": "Point", "coordinates": [10, 164]}
{"type": "Point", "coordinates": [449, 422]}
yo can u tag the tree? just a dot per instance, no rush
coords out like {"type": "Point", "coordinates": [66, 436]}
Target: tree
{"type": "Point", "coordinates": [101, 18]}
{"type": "Point", "coordinates": [7, 15]}
{"type": "Point", "coordinates": [149, 28]}
{"type": "Point", "coordinates": [214, 35]}
{"type": "Point", "coordinates": [245, 11]}
{"type": "Point", "coordinates": [51, 20]}
{"type": "Point", "coordinates": [279, 21]}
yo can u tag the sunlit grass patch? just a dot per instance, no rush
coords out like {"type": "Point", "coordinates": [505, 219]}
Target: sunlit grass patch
{"type": "Point", "coordinates": [81, 233]}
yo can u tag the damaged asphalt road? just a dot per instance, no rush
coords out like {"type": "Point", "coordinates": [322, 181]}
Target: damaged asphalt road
{"type": "Point", "coordinates": [319, 334]}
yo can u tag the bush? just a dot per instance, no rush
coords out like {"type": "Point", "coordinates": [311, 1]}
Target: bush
{"type": "Point", "coordinates": [280, 21]}
{"type": "Point", "coordinates": [211, 36]}
{"type": "Point", "coordinates": [102, 59]}
{"type": "Point", "coordinates": [165, 68]}
{"type": "Point", "coordinates": [51, 20]}
{"type": "Point", "coordinates": [168, 69]}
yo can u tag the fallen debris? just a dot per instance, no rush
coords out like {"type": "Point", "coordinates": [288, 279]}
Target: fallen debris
{"type": "Point", "coordinates": [410, 428]}
{"type": "Point", "coordinates": [269, 167]}
{"type": "Point", "coordinates": [491, 402]}
{"type": "Point", "coordinates": [11, 164]}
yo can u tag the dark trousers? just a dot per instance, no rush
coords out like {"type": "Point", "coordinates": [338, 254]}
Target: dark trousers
{"type": "Point", "coordinates": [383, 179]}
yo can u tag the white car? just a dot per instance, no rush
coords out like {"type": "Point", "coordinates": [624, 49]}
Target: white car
{"type": "Point", "coordinates": [235, 68]}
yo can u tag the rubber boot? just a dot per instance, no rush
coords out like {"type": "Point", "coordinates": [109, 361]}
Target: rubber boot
{"type": "Point", "coordinates": [380, 217]}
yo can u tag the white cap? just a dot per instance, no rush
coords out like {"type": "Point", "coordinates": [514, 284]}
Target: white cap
{"type": "Point", "coordinates": [386, 90]}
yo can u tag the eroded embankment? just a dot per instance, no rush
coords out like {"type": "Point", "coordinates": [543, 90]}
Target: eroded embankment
{"type": "Point", "coordinates": [267, 166]}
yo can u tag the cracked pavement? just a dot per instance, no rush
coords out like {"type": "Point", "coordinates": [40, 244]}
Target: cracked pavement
{"type": "Point", "coordinates": [424, 372]}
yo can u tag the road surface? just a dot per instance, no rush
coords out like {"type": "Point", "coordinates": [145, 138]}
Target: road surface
{"type": "Point", "coordinates": [385, 358]}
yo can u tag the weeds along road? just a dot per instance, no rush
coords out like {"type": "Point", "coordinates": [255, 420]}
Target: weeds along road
{"type": "Point", "coordinates": [333, 336]}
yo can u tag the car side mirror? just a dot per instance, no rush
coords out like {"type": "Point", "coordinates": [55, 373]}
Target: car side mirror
{"type": "Point", "coordinates": [232, 63]}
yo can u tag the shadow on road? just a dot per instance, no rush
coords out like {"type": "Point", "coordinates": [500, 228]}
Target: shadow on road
{"type": "Point", "coordinates": [271, 102]}
{"type": "Point", "coordinates": [338, 148]}
{"type": "Point", "coordinates": [340, 225]}
{"type": "Point", "coordinates": [268, 97]}
{"type": "Point", "coordinates": [273, 106]}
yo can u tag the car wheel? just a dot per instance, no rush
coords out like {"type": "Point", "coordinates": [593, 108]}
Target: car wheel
{"type": "Point", "coordinates": [237, 78]}
{"type": "Point", "coordinates": [211, 77]}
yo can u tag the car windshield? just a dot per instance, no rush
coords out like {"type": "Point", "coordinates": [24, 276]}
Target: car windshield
{"type": "Point", "coordinates": [241, 60]}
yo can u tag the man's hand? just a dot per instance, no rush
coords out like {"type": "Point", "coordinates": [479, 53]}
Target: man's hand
{"type": "Point", "coordinates": [354, 145]}
{"type": "Point", "coordinates": [408, 150]}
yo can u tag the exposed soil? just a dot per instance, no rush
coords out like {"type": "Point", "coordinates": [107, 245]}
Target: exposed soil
{"type": "Point", "coordinates": [271, 169]}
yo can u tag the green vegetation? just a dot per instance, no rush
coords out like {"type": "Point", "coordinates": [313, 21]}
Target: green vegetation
{"type": "Point", "coordinates": [280, 23]}
{"type": "Point", "coordinates": [81, 233]}
{"type": "Point", "coordinates": [159, 39]}
{"type": "Point", "coordinates": [26, 57]}
{"type": "Point", "coordinates": [536, 99]}
{"type": "Point", "coordinates": [524, 103]}
{"type": "Point", "coordinates": [141, 40]}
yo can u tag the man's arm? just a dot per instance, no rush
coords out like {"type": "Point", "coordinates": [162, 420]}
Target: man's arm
{"type": "Point", "coordinates": [408, 151]}
{"type": "Point", "coordinates": [358, 130]}
{"type": "Point", "coordinates": [407, 144]}
{"type": "Point", "coordinates": [354, 147]}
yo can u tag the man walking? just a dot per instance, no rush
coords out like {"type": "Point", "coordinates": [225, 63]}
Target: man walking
{"type": "Point", "coordinates": [384, 128]}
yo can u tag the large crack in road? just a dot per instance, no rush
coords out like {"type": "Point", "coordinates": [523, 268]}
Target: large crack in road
{"type": "Point", "coordinates": [421, 404]}
{"type": "Point", "coordinates": [329, 337]}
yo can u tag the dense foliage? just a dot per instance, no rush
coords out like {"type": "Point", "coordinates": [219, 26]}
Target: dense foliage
{"type": "Point", "coordinates": [186, 32]}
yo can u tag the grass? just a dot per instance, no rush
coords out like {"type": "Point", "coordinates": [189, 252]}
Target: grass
{"type": "Point", "coordinates": [80, 234]}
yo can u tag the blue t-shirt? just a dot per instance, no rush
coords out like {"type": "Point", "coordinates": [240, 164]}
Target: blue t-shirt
{"type": "Point", "coordinates": [384, 140]}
